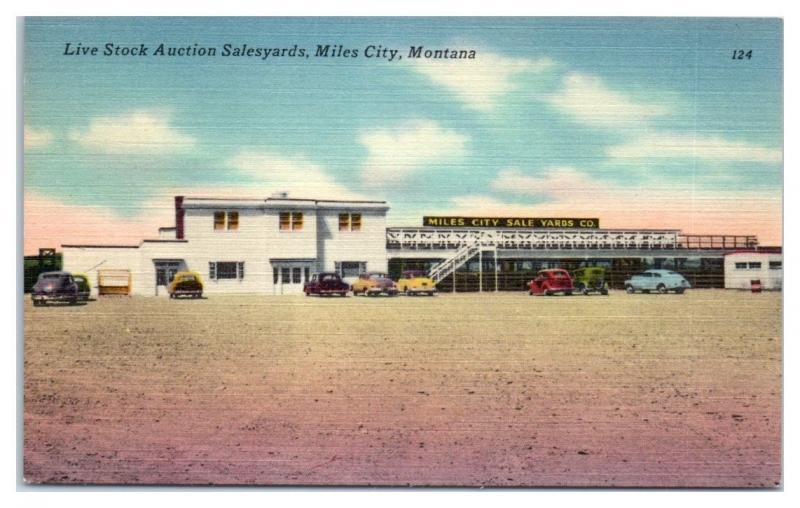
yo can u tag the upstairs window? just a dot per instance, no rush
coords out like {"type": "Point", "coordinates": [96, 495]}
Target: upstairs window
{"type": "Point", "coordinates": [775, 265]}
{"type": "Point", "coordinates": [754, 266]}
{"type": "Point", "coordinates": [226, 220]}
{"type": "Point", "coordinates": [741, 266]}
{"type": "Point", "coordinates": [349, 222]}
{"type": "Point", "coordinates": [290, 221]}
{"type": "Point", "coordinates": [219, 221]}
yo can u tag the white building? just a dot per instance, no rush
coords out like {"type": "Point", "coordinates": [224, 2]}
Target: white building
{"type": "Point", "coordinates": [743, 267]}
{"type": "Point", "coordinates": [248, 245]}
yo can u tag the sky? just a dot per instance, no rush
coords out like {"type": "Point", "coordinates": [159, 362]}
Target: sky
{"type": "Point", "coordinates": [643, 123]}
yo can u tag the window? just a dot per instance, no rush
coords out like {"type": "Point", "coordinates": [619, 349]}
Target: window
{"type": "Point", "coordinates": [297, 221]}
{"type": "Point", "coordinates": [233, 220]}
{"type": "Point", "coordinates": [350, 268]}
{"type": "Point", "coordinates": [225, 270]}
{"type": "Point", "coordinates": [296, 275]}
{"type": "Point", "coordinates": [285, 275]}
{"type": "Point", "coordinates": [349, 222]}
{"type": "Point", "coordinates": [775, 265]}
{"type": "Point", "coordinates": [307, 270]}
{"type": "Point", "coordinates": [275, 275]}
{"type": "Point", "coordinates": [290, 221]}
{"type": "Point", "coordinates": [741, 266]}
{"type": "Point", "coordinates": [226, 220]}
{"type": "Point", "coordinates": [754, 266]}
{"type": "Point", "coordinates": [219, 221]}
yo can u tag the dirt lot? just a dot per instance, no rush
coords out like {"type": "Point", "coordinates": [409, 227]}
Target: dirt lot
{"type": "Point", "coordinates": [493, 389]}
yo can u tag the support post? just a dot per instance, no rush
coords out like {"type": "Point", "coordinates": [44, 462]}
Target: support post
{"type": "Point", "coordinates": [495, 270]}
{"type": "Point", "coordinates": [480, 270]}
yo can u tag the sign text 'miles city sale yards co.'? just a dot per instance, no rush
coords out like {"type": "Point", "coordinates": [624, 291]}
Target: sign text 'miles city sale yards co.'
{"type": "Point", "coordinates": [510, 222]}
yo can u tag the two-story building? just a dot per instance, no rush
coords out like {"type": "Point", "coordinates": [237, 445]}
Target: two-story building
{"type": "Point", "coordinates": [269, 246]}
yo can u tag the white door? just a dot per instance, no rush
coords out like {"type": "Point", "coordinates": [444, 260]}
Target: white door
{"type": "Point", "coordinates": [288, 277]}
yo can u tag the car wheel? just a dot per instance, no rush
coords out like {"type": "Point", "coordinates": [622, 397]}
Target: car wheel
{"type": "Point", "coordinates": [568, 293]}
{"type": "Point", "coordinates": [581, 288]}
{"type": "Point", "coordinates": [630, 289]}
{"type": "Point", "coordinates": [662, 289]}
{"type": "Point", "coordinates": [679, 291]}
{"type": "Point", "coordinates": [604, 291]}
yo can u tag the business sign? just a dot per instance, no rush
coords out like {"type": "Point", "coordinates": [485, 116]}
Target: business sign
{"type": "Point", "coordinates": [510, 222]}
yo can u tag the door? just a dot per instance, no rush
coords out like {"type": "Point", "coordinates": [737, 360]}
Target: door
{"type": "Point", "coordinates": [288, 277]}
{"type": "Point", "coordinates": [165, 273]}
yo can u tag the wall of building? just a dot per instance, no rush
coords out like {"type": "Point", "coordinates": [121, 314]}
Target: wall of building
{"type": "Point", "coordinates": [367, 245]}
{"type": "Point", "coordinates": [757, 268]}
{"type": "Point", "coordinates": [252, 243]}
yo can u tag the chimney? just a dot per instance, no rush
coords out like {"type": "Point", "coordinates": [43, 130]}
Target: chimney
{"type": "Point", "coordinates": [179, 213]}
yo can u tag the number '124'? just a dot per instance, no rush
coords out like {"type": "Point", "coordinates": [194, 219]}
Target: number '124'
{"type": "Point", "coordinates": [741, 54]}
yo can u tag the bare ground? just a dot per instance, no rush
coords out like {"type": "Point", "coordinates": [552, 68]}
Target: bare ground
{"type": "Point", "coordinates": [494, 389]}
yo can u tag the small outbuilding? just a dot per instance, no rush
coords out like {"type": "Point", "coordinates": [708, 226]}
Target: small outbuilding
{"type": "Point", "coordinates": [744, 267]}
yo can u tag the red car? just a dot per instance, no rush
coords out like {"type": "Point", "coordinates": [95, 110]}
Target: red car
{"type": "Point", "coordinates": [549, 282]}
{"type": "Point", "coordinates": [326, 283]}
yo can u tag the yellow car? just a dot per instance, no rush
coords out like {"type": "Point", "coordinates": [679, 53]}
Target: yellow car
{"type": "Point", "coordinates": [415, 282]}
{"type": "Point", "coordinates": [186, 284]}
{"type": "Point", "coordinates": [373, 284]}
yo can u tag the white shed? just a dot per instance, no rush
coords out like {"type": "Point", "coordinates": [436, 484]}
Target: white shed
{"type": "Point", "coordinates": [743, 267]}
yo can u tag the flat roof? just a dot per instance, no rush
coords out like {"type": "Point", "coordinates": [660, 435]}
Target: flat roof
{"type": "Point", "coordinates": [234, 202]}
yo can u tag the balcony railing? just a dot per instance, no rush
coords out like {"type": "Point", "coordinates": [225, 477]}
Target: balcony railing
{"type": "Point", "coordinates": [538, 239]}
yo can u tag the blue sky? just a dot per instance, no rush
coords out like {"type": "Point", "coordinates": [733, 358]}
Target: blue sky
{"type": "Point", "coordinates": [653, 111]}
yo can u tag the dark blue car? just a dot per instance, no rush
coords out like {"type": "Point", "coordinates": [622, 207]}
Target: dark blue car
{"type": "Point", "coordinates": [55, 287]}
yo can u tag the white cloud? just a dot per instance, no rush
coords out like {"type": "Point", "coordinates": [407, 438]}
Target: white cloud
{"type": "Point", "coordinates": [555, 181]}
{"type": "Point", "coordinates": [707, 148]}
{"type": "Point", "coordinates": [37, 138]}
{"type": "Point", "coordinates": [270, 173]}
{"type": "Point", "coordinates": [479, 83]}
{"type": "Point", "coordinates": [147, 132]}
{"type": "Point", "coordinates": [394, 154]}
{"type": "Point", "coordinates": [588, 100]}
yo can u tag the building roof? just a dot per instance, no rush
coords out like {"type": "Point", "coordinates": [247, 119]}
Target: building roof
{"type": "Point", "coordinates": [279, 202]}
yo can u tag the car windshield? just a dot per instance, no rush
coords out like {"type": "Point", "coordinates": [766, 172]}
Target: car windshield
{"type": "Point", "coordinates": [51, 276]}
{"type": "Point", "coordinates": [559, 274]}
{"type": "Point", "coordinates": [328, 277]}
{"type": "Point", "coordinates": [188, 278]}
{"type": "Point", "coordinates": [377, 276]}
{"type": "Point", "coordinates": [413, 274]}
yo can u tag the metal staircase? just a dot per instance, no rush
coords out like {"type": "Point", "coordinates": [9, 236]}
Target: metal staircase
{"type": "Point", "coordinates": [451, 264]}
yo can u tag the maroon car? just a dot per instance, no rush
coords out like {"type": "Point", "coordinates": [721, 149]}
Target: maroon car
{"type": "Point", "coordinates": [326, 283]}
{"type": "Point", "coordinates": [549, 282]}
{"type": "Point", "coordinates": [55, 287]}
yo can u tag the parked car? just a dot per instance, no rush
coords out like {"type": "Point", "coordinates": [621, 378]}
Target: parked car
{"type": "Point", "coordinates": [54, 287]}
{"type": "Point", "coordinates": [373, 284]}
{"type": "Point", "coordinates": [590, 279]}
{"type": "Point", "coordinates": [657, 280]}
{"type": "Point", "coordinates": [550, 282]}
{"type": "Point", "coordinates": [186, 284]}
{"type": "Point", "coordinates": [84, 287]}
{"type": "Point", "coordinates": [416, 282]}
{"type": "Point", "coordinates": [326, 283]}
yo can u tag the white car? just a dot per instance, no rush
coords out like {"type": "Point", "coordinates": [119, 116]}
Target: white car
{"type": "Point", "coordinates": [657, 280]}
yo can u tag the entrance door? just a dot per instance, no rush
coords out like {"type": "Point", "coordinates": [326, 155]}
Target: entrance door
{"type": "Point", "coordinates": [165, 272]}
{"type": "Point", "coordinates": [288, 277]}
